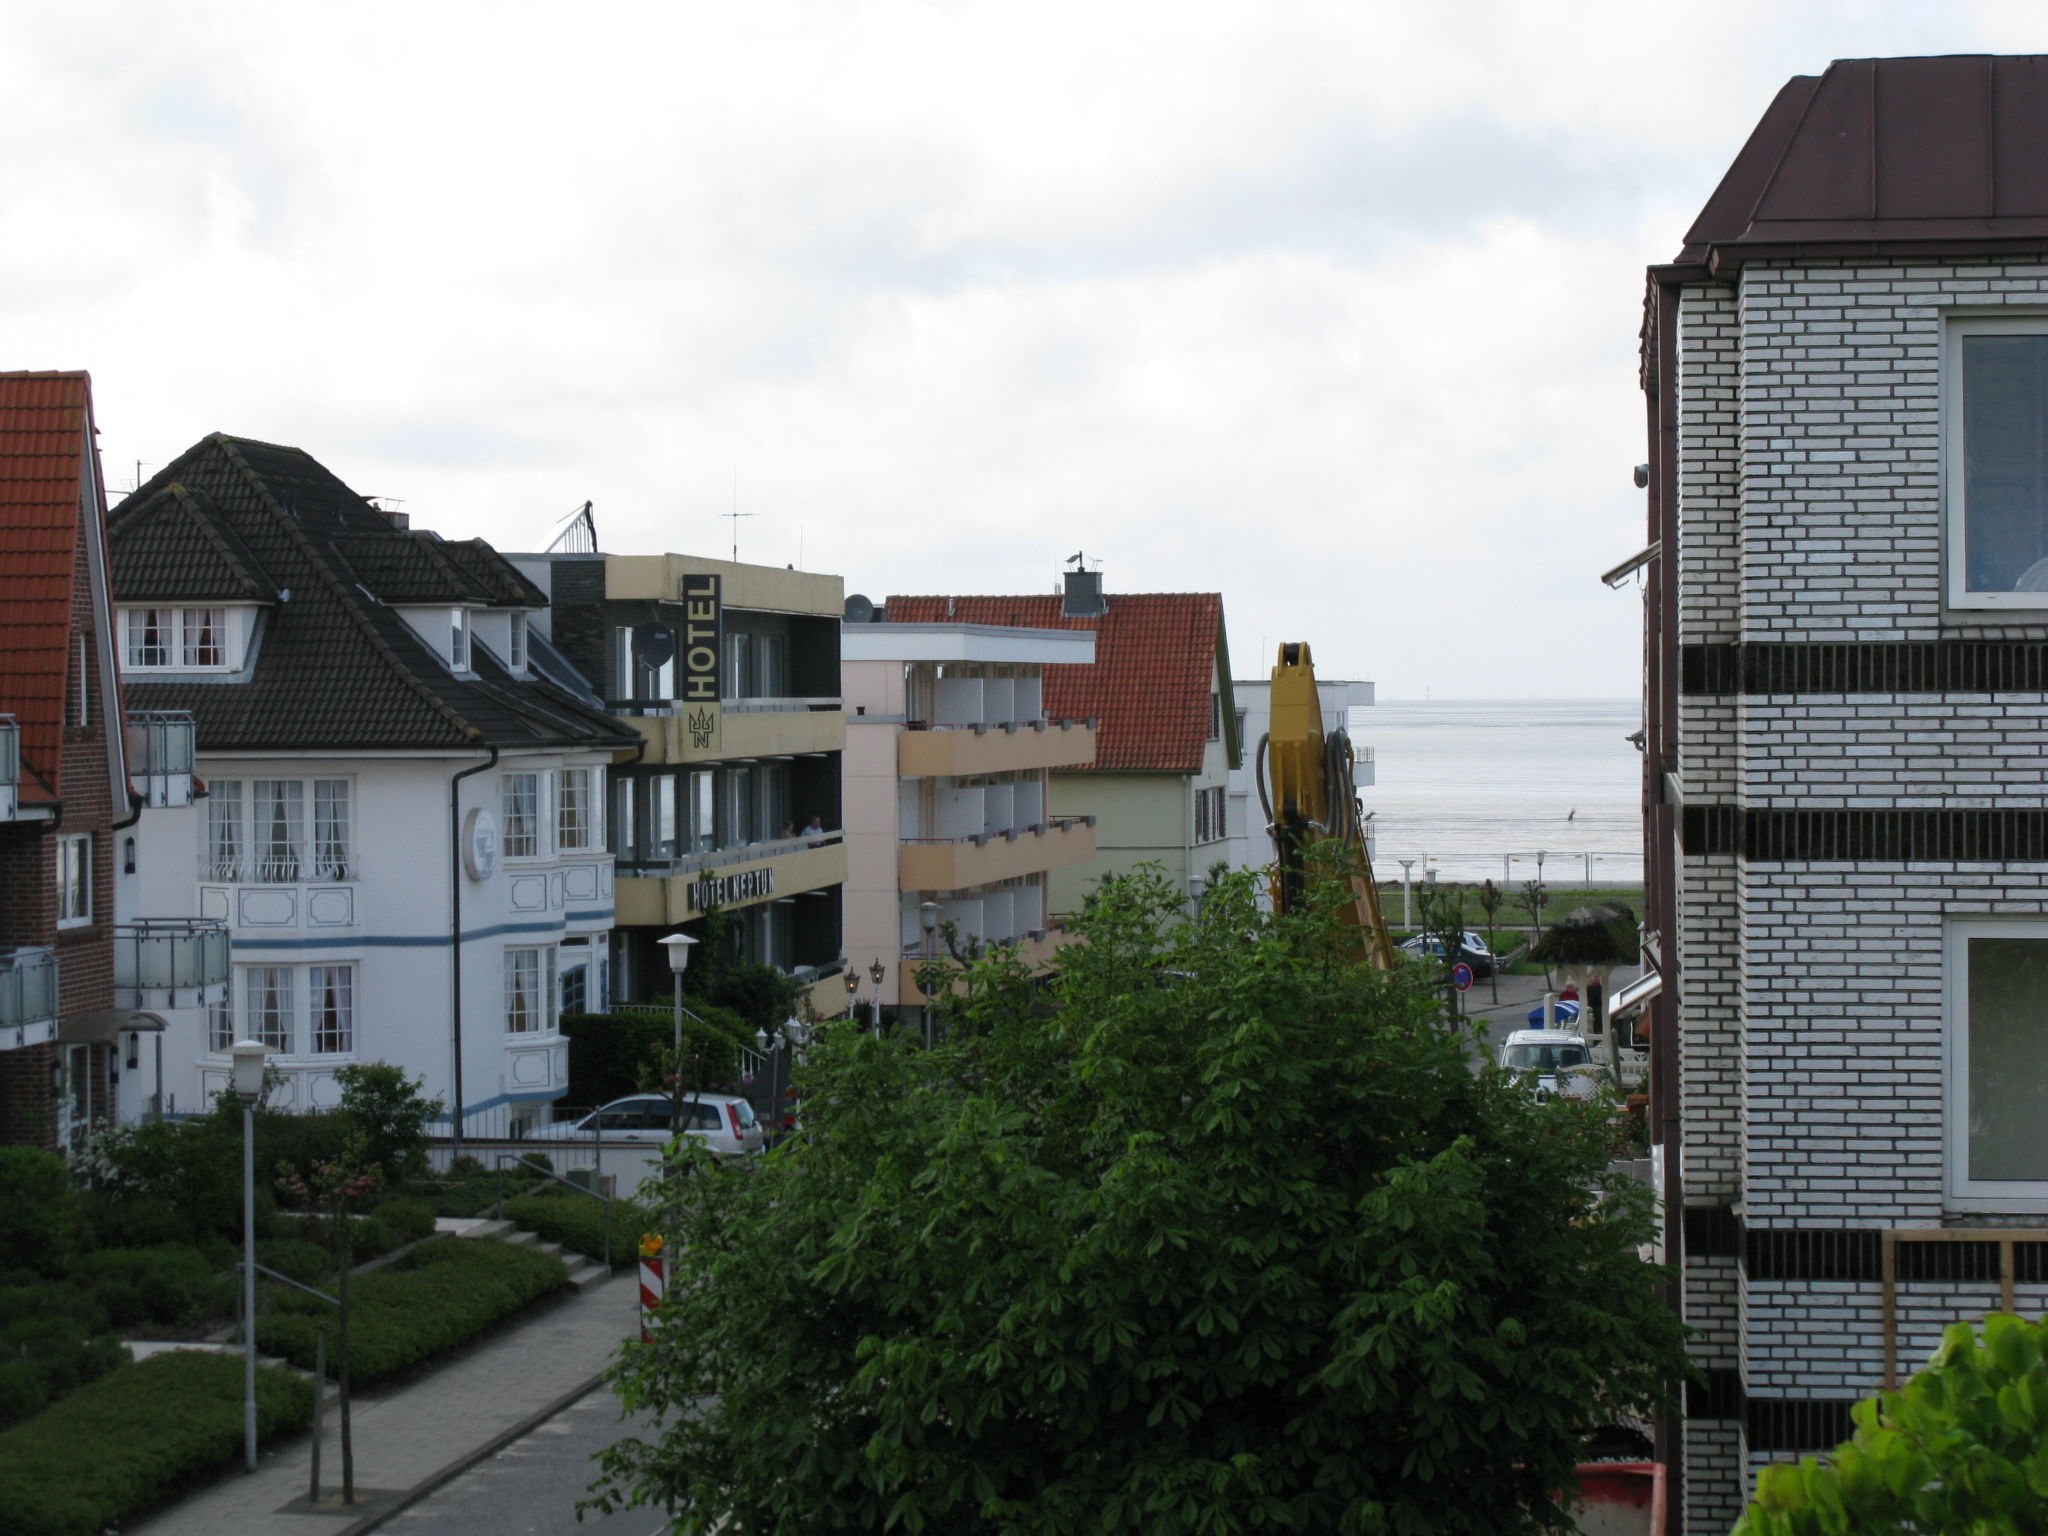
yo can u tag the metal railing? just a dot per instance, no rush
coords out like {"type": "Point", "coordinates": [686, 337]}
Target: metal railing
{"type": "Point", "coordinates": [28, 986]}
{"type": "Point", "coordinates": [520, 1159]}
{"type": "Point", "coordinates": [161, 745]}
{"type": "Point", "coordinates": [179, 962]}
{"type": "Point", "coordinates": [718, 858]}
{"type": "Point", "coordinates": [2004, 1237]}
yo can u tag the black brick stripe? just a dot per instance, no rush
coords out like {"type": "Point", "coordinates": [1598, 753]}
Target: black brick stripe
{"type": "Point", "coordinates": [1813, 1253]}
{"type": "Point", "coordinates": [1720, 1396]}
{"type": "Point", "coordinates": [1712, 1232]}
{"type": "Point", "coordinates": [1799, 1423]}
{"type": "Point", "coordinates": [1865, 836]}
{"type": "Point", "coordinates": [1910, 666]}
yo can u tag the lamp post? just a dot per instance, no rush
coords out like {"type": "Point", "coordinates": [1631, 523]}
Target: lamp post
{"type": "Point", "coordinates": [928, 919]}
{"type": "Point", "coordinates": [678, 946]}
{"type": "Point", "coordinates": [1407, 907]}
{"type": "Point", "coordinates": [852, 986]}
{"type": "Point", "coordinates": [247, 1086]}
{"type": "Point", "coordinates": [876, 970]}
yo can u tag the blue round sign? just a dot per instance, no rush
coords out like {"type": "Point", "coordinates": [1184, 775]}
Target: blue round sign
{"type": "Point", "coordinates": [1461, 976]}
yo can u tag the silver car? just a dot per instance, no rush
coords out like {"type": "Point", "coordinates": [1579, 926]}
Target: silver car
{"type": "Point", "coordinates": [724, 1123]}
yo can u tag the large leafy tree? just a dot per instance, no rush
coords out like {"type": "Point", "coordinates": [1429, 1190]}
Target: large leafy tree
{"type": "Point", "coordinates": [1223, 1235]}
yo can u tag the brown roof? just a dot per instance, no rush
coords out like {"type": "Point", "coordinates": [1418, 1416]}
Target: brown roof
{"type": "Point", "coordinates": [45, 431]}
{"type": "Point", "coordinates": [1882, 156]}
{"type": "Point", "coordinates": [1157, 659]}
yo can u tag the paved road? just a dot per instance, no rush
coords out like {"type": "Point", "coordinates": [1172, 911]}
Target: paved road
{"type": "Point", "coordinates": [531, 1487]}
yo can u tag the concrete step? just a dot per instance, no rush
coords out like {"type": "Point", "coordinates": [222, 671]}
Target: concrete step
{"type": "Point", "coordinates": [585, 1275]}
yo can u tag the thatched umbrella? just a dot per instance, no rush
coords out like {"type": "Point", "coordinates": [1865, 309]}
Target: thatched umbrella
{"type": "Point", "coordinates": [1586, 945]}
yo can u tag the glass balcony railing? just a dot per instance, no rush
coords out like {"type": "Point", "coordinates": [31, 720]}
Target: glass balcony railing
{"type": "Point", "coordinates": [170, 963]}
{"type": "Point", "coordinates": [10, 767]}
{"type": "Point", "coordinates": [28, 987]}
{"type": "Point", "coordinates": [161, 745]}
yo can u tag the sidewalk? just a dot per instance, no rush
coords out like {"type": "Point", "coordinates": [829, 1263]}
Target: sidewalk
{"type": "Point", "coordinates": [410, 1440]}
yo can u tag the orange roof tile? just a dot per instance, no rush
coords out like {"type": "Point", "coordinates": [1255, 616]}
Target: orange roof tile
{"type": "Point", "coordinates": [45, 429]}
{"type": "Point", "coordinates": [1157, 658]}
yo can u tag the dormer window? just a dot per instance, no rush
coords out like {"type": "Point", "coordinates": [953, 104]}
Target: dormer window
{"type": "Point", "coordinates": [180, 639]}
{"type": "Point", "coordinates": [458, 646]}
{"type": "Point", "coordinates": [515, 653]}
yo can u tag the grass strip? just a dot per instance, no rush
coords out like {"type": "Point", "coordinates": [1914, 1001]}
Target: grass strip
{"type": "Point", "coordinates": [448, 1290]}
{"type": "Point", "coordinates": [132, 1438]}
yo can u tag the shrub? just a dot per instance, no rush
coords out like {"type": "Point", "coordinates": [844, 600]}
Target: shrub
{"type": "Point", "coordinates": [392, 1114]}
{"type": "Point", "coordinates": [464, 1167]}
{"type": "Point", "coordinates": [155, 1285]}
{"type": "Point", "coordinates": [408, 1220]}
{"type": "Point", "coordinates": [577, 1223]}
{"type": "Point", "coordinates": [133, 1437]}
{"type": "Point", "coordinates": [614, 1054]}
{"type": "Point", "coordinates": [190, 1170]}
{"type": "Point", "coordinates": [451, 1290]}
{"type": "Point", "coordinates": [37, 1212]}
{"type": "Point", "coordinates": [111, 1222]}
{"type": "Point", "coordinates": [48, 1357]}
{"type": "Point", "coordinates": [306, 1262]}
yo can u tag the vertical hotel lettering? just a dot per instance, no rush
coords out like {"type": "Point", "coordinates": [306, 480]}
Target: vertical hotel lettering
{"type": "Point", "coordinates": [703, 649]}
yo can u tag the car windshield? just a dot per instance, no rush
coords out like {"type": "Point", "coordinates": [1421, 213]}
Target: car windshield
{"type": "Point", "coordinates": [1542, 1058]}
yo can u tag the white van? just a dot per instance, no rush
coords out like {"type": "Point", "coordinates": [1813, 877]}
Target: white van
{"type": "Point", "coordinates": [1537, 1056]}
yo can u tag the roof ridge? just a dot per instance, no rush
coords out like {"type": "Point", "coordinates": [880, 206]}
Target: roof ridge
{"type": "Point", "coordinates": [325, 575]}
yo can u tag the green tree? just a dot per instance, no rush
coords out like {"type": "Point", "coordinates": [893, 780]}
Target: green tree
{"type": "Point", "coordinates": [1231, 1238]}
{"type": "Point", "coordinates": [1963, 1447]}
{"type": "Point", "coordinates": [391, 1112]}
{"type": "Point", "coordinates": [1490, 898]}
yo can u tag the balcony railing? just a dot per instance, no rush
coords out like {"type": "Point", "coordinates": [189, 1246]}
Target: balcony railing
{"type": "Point", "coordinates": [170, 963]}
{"type": "Point", "coordinates": [10, 767]}
{"type": "Point", "coordinates": [656, 862]}
{"type": "Point", "coordinates": [160, 751]}
{"type": "Point", "coordinates": [28, 994]}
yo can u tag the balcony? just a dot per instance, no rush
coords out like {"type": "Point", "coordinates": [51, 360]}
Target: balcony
{"type": "Point", "coordinates": [748, 728]}
{"type": "Point", "coordinates": [160, 749]}
{"type": "Point", "coordinates": [957, 863]}
{"type": "Point", "coordinates": [170, 963]}
{"type": "Point", "coordinates": [28, 997]}
{"type": "Point", "coordinates": [10, 767]}
{"type": "Point", "coordinates": [1010, 746]}
{"type": "Point", "coordinates": [673, 891]}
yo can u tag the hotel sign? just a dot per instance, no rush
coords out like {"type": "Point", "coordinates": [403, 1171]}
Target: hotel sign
{"type": "Point", "coordinates": [731, 890]}
{"type": "Point", "coordinates": [703, 653]}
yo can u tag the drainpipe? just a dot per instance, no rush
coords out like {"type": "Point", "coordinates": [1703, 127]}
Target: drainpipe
{"type": "Point", "coordinates": [455, 939]}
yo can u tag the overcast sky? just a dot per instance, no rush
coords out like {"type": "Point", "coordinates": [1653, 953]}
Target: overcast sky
{"type": "Point", "coordinates": [1329, 307]}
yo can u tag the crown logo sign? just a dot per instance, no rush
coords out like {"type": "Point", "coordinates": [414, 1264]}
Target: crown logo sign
{"type": "Point", "coordinates": [701, 723]}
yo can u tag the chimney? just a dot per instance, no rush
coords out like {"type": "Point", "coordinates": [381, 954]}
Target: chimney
{"type": "Point", "coordinates": [1081, 596]}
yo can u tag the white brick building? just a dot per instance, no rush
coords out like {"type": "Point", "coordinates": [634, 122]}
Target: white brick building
{"type": "Point", "coordinates": [1847, 746]}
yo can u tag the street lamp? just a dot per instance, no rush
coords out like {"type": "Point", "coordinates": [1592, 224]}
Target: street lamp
{"type": "Point", "coordinates": [852, 986]}
{"type": "Point", "coordinates": [247, 1086]}
{"type": "Point", "coordinates": [678, 946]}
{"type": "Point", "coordinates": [876, 970]}
{"type": "Point", "coordinates": [928, 917]}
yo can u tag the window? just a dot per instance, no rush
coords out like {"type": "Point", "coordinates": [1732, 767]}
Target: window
{"type": "Point", "coordinates": [175, 639]}
{"type": "Point", "coordinates": [220, 1022]}
{"type": "Point", "coordinates": [458, 641]}
{"type": "Point", "coordinates": [515, 654]}
{"type": "Point", "coordinates": [74, 880]}
{"type": "Point", "coordinates": [1996, 410]}
{"type": "Point", "coordinates": [84, 695]}
{"type": "Point", "coordinates": [267, 1005]}
{"type": "Point", "coordinates": [520, 815]}
{"type": "Point", "coordinates": [258, 833]}
{"type": "Point", "coordinates": [576, 805]}
{"type": "Point", "coordinates": [1209, 815]}
{"type": "Point", "coordinates": [330, 990]}
{"type": "Point", "coordinates": [530, 991]}
{"type": "Point", "coordinates": [1997, 1066]}
{"type": "Point", "coordinates": [1215, 717]}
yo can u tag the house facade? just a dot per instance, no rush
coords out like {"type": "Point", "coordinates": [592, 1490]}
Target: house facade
{"type": "Point", "coordinates": [83, 991]}
{"type": "Point", "coordinates": [1846, 778]}
{"type": "Point", "coordinates": [949, 755]}
{"type": "Point", "coordinates": [728, 677]}
{"type": "Point", "coordinates": [1159, 693]}
{"type": "Point", "coordinates": [404, 820]}
{"type": "Point", "coordinates": [1249, 845]}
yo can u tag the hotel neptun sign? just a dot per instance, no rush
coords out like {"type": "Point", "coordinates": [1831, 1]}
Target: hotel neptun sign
{"type": "Point", "coordinates": [703, 658]}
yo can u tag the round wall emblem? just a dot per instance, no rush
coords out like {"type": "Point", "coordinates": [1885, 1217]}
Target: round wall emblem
{"type": "Point", "coordinates": [480, 844]}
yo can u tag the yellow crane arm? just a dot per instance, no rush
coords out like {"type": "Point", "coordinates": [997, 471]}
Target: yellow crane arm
{"type": "Point", "coordinates": [1306, 786]}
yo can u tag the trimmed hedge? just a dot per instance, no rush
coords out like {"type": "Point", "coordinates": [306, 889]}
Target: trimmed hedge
{"type": "Point", "coordinates": [132, 1438]}
{"type": "Point", "coordinates": [165, 1284]}
{"type": "Point", "coordinates": [577, 1223]}
{"type": "Point", "coordinates": [449, 1290]}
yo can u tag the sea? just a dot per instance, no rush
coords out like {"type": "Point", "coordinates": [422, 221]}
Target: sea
{"type": "Point", "coordinates": [1511, 789]}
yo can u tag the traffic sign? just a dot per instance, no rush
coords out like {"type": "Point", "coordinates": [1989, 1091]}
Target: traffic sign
{"type": "Point", "coordinates": [1461, 976]}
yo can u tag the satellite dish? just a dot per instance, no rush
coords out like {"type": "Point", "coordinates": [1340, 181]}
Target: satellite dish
{"type": "Point", "coordinates": [859, 610]}
{"type": "Point", "coordinates": [654, 645]}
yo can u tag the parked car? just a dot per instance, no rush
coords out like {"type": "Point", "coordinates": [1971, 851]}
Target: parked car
{"type": "Point", "coordinates": [1553, 1063]}
{"type": "Point", "coordinates": [724, 1123]}
{"type": "Point", "coordinates": [1472, 950]}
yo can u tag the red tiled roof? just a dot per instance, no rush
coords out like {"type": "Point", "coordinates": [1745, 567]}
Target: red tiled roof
{"type": "Point", "coordinates": [1157, 657]}
{"type": "Point", "coordinates": [45, 428]}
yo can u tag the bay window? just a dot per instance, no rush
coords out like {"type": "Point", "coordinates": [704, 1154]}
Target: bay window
{"type": "Point", "coordinates": [519, 815]}
{"type": "Point", "coordinates": [258, 831]}
{"type": "Point", "coordinates": [530, 990]}
{"type": "Point", "coordinates": [293, 1009]}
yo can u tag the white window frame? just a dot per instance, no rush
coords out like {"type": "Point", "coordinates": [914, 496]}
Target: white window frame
{"type": "Point", "coordinates": [325, 808]}
{"type": "Point", "coordinates": [588, 824]}
{"type": "Point", "coordinates": [282, 981]}
{"type": "Point", "coordinates": [74, 880]}
{"type": "Point", "coordinates": [298, 1030]}
{"type": "Point", "coordinates": [1962, 1192]}
{"type": "Point", "coordinates": [540, 837]}
{"type": "Point", "coordinates": [174, 625]}
{"type": "Point", "coordinates": [515, 644]}
{"type": "Point", "coordinates": [539, 1017]}
{"type": "Point", "coordinates": [459, 641]}
{"type": "Point", "coordinates": [1955, 513]}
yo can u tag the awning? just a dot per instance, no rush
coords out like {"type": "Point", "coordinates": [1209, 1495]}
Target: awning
{"type": "Point", "coordinates": [1635, 994]}
{"type": "Point", "coordinates": [1635, 562]}
{"type": "Point", "coordinates": [101, 1027]}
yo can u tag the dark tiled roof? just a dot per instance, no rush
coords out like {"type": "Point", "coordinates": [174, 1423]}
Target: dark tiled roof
{"type": "Point", "coordinates": [45, 431]}
{"type": "Point", "coordinates": [1157, 656]}
{"type": "Point", "coordinates": [1887, 154]}
{"type": "Point", "coordinates": [335, 667]}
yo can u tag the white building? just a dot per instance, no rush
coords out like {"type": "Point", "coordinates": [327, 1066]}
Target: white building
{"type": "Point", "coordinates": [1249, 846]}
{"type": "Point", "coordinates": [949, 752]}
{"type": "Point", "coordinates": [1846, 772]}
{"type": "Point", "coordinates": [403, 823]}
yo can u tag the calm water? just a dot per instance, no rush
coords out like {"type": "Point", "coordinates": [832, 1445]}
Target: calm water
{"type": "Point", "coordinates": [1467, 782]}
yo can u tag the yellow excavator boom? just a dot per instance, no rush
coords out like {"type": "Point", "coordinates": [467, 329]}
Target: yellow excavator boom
{"type": "Point", "coordinates": [1306, 786]}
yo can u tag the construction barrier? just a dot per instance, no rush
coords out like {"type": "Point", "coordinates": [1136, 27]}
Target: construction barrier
{"type": "Point", "coordinates": [653, 1283]}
